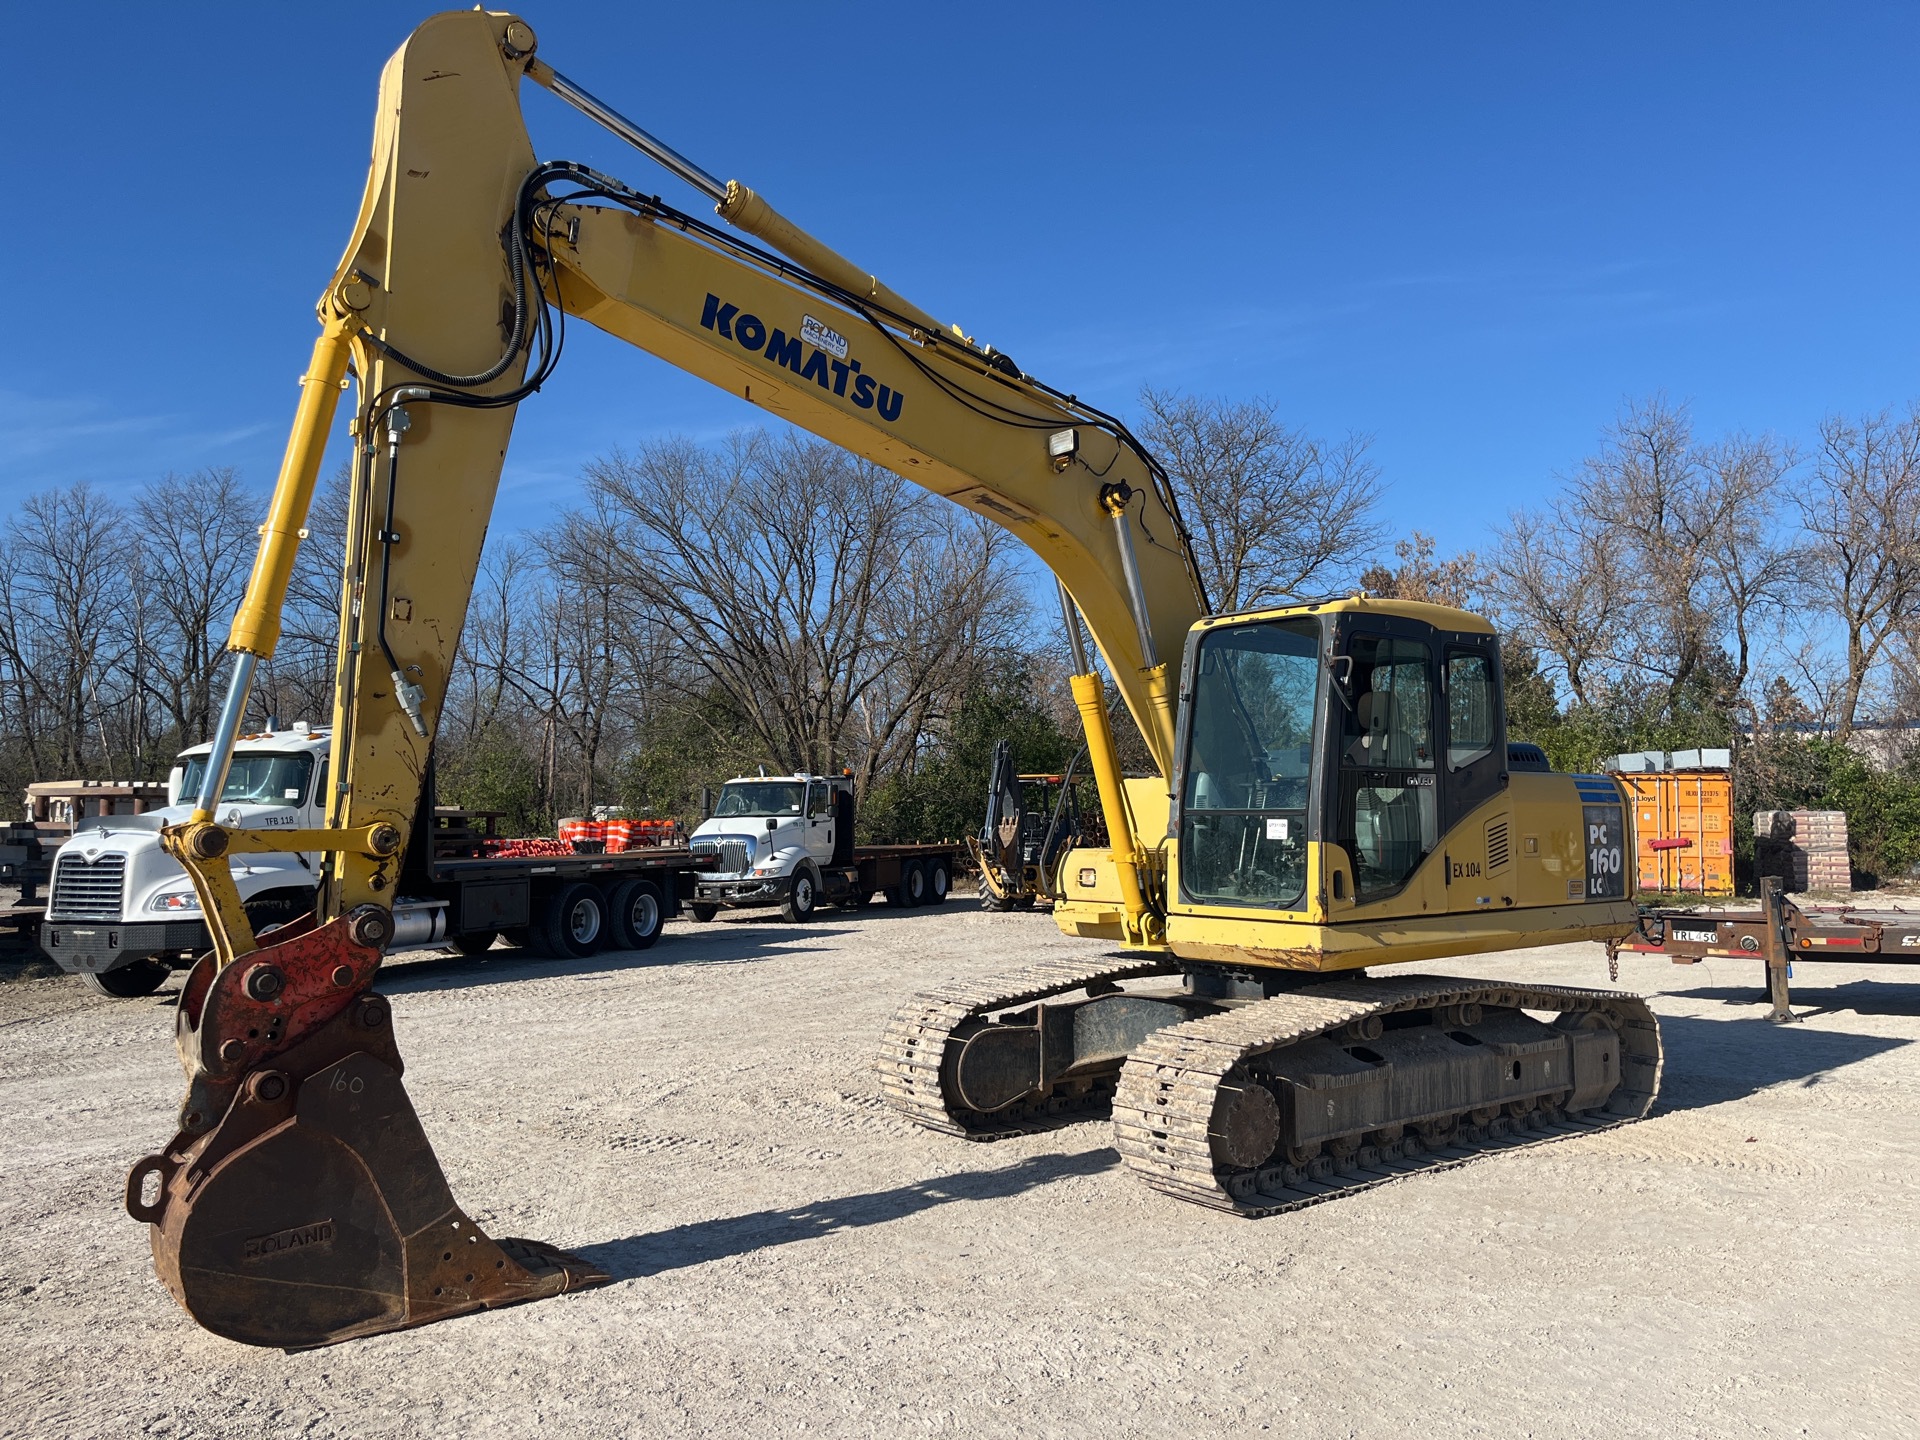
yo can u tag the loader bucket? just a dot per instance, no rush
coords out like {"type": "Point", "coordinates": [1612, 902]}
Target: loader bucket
{"type": "Point", "coordinates": [301, 1203]}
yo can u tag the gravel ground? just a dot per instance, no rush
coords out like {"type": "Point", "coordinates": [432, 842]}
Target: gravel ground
{"type": "Point", "coordinates": [789, 1257]}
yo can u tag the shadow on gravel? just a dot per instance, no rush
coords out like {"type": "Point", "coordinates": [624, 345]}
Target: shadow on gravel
{"type": "Point", "coordinates": [639, 1256]}
{"type": "Point", "coordinates": [1710, 1062]}
{"type": "Point", "coordinates": [1862, 997]}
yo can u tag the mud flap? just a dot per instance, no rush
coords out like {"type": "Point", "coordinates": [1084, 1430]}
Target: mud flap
{"type": "Point", "coordinates": [313, 1209]}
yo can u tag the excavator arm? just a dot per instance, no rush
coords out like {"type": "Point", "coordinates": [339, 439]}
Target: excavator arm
{"type": "Point", "coordinates": [442, 314]}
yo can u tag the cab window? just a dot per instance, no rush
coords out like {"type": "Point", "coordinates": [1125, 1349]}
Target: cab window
{"type": "Point", "coordinates": [1249, 764]}
{"type": "Point", "coordinates": [1470, 708]}
{"type": "Point", "coordinates": [1388, 809]}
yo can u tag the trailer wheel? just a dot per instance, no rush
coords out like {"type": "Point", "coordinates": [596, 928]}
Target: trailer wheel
{"type": "Point", "coordinates": [573, 925]}
{"type": "Point", "coordinates": [939, 882]}
{"type": "Point", "coordinates": [130, 982]}
{"type": "Point", "coordinates": [636, 913]}
{"type": "Point", "coordinates": [913, 883]}
{"type": "Point", "coordinates": [702, 913]}
{"type": "Point", "coordinates": [802, 895]}
{"type": "Point", "coordinates": [475, 942]}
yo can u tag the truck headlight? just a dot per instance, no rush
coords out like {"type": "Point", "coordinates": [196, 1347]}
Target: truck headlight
{"type": "Point", "coordinates": [180, 901]}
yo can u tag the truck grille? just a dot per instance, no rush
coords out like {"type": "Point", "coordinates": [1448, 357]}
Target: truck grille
{"type": "Point", "coordinates": [723, 857]}
{"type": "Point", "coordinates": [88, 891]}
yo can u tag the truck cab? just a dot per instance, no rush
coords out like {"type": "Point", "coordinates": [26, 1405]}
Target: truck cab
{"type": "Point", "coordinates": [121, 911]}
{"type": "Point", "coordinates": [787, 840]}
{"type": "Point", "coordinates": [766, 834]}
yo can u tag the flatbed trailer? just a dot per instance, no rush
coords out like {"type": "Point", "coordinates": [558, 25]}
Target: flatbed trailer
{"type": "Point", "coordinates": [907, 875]}
{"type": "Point", "coordinates": [26, 861]}
{"type": "Point", "coordinates": [1778, 934]}
{"type": "Point", "coordinates": [567, 903]}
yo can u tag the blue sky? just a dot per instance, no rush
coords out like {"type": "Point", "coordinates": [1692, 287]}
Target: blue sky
{"type": "Point", "coordinates": [1469, 231]}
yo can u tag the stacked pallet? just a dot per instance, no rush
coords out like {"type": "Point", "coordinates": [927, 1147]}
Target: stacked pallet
{"type": "Point", "coordinates": [1807, 849]}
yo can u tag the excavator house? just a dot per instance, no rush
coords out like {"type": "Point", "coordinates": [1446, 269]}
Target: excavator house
{"type": "Point", "coordinates": [1334, 793]}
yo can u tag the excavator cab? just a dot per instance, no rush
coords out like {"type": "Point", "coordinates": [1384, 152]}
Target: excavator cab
{"type": "Point", "coordinates": [1342, 796]}
{"type": "Point", "coordinates": [1370, 732]}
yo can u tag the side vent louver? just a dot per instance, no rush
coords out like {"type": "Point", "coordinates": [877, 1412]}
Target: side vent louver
{"type": "Point", "coordinates": [1496, 845]}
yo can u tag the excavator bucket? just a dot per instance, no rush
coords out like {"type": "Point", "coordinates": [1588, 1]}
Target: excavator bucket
{"type": "Point", "coordinates": [301, 1203]}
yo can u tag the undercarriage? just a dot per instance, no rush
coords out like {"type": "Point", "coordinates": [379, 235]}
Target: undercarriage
{"type": "Point", "coordinates": [1260, 1092]}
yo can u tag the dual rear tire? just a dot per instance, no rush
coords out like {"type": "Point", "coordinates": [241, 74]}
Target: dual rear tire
{"type": "Point", "coordinates": [580, 920]}
{"type": "Point", "coordinates": [922, 882]}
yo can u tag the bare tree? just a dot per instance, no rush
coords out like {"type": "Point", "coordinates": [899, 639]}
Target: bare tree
{"type": "Point", "coordinates": [1746, 570]}
{"type": "Point", "coordinates": [1274, 513]}
{"type": "Point", "coordinates": [1657, 559]}
{"type": "Point", "coordinates": [1558, 581]}
{"type": "Point", "coordinates": [1456, 580]}
{"type": "Point", "coordinates": [1861, 513]}
{"type": "Point", "coordinates": [196, 542]}
{"type": "Point", "coordinates": [64, 636]}
{"type": "Point", "coordinates": [829, 600]}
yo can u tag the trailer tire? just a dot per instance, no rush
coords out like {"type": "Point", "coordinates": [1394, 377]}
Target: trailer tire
{"type": "Point", "coordinates": [702, 913]}
{"type": "Point", "coordinates": [913, 883]}
{"type": "Point", "coordinates": [130, 982]}
{"type": "Point", "coordinates": [573, 923]}
{"type": "Point", "coordinates": [939, 881]}
{"type": "Point", "coordinates": [475, 942]}
{"type": "Point", "coordinates": [803, 894]}
{"type": "Point", "coordinates": [636, 913]}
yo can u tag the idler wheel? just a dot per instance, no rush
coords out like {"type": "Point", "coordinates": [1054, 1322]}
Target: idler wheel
{"type": "Point", "coordinates": [1245, 1126]}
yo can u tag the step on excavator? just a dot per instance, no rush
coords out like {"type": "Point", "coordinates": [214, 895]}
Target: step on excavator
{"type": "Point", "coordinates": [1333, 793]}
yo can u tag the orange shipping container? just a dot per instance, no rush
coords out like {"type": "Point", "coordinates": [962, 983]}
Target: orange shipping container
{"type": "Point", "coordinates": [1683, 829]}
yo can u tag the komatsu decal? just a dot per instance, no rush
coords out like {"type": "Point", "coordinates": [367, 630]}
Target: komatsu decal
{"type": "Point", "coordinates": [826, 364]}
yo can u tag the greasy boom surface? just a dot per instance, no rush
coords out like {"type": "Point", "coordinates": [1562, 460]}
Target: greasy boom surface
{"type": "Point", "coordinates": [790, 1256]}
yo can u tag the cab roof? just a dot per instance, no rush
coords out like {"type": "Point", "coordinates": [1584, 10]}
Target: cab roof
{"type": "Point", "coordinates": [1440, 617]}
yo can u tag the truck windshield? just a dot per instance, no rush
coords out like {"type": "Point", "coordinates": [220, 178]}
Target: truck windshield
{"type": "Point", "coordinates": [259, 778]}
{"type": "Point", "coordinates": [759, 797]}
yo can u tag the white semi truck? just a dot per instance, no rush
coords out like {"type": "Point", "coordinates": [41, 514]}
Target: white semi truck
{"type": "Point", "coordinates": [787, 840]}
{"type": "Point", "coordinates": [122, 912]}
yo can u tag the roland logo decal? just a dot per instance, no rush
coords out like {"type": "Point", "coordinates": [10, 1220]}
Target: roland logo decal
{"type": "Point", "coordinates": [319, 1234]}
{"type": "Point", "coordinates": [817, 353]}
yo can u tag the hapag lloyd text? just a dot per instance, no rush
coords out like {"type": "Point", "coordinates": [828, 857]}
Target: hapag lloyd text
{"type": "Point", "coordinates": [840, 375]}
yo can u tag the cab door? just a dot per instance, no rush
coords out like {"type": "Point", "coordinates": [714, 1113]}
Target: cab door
{"type": "Point", "coordinates": [820, 822]}
{"type": "Point", "coordinates": [1473, 726]}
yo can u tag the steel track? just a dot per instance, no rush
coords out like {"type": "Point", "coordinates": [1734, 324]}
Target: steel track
{"type": "Point", "coordinates": [1163, 1098]}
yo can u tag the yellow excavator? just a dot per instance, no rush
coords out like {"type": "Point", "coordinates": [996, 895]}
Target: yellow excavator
{"type": "Point", "coordinates": [1335, 790]}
